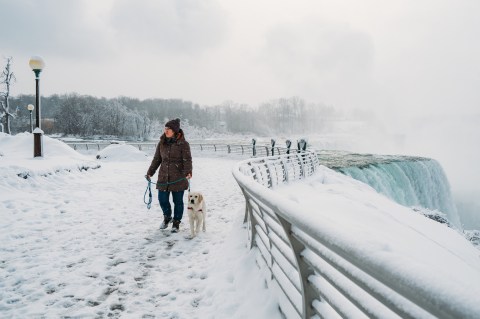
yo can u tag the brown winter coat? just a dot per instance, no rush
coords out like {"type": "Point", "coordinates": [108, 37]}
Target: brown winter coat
{"type": "Point", "coordinates": [175, 161]}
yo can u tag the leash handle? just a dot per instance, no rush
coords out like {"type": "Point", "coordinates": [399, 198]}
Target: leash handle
{"type": "Point", "coordinates": [149, 190]}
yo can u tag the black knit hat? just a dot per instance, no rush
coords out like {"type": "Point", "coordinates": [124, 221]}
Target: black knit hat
{"type": "Point", "coordinates": [174, 125]}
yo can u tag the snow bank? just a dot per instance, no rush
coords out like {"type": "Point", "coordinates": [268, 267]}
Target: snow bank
{"type": "Point", "coordinates": [16, 157]}
{"type": "Point", "coordinates": [121, 152]}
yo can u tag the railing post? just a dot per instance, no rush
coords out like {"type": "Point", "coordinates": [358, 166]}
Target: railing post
{"type": "Point", "coordinates": [301, 145]}
{"type": "Point", "coordinates": [304, 270]}
{"type": "Point", "coordinates": [312, 163]}
{"type": "Point", "coordinates": [289, 143]}
{"type": "Point", "coordinates": [269, 174]}
{"type": "Point", "coordinates": [302, 166]}
{"type": "Point", "coordinates": [250, 221]}
{"type": "Point", "coordinates": [285, 170]}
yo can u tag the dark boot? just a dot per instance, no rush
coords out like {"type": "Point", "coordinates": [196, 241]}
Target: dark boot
{"type": "Point", "coordinates": [175, 226]}
{"type": "Point", "coordinates": [165, 222]}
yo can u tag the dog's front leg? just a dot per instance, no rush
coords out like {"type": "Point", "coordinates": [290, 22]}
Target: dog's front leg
{"type": "Point", "coordinates": [199, 223]}
{"type": "Point", "coordinates": [204, 216]}
{"type": "Point", "coordinates": [192, 230]}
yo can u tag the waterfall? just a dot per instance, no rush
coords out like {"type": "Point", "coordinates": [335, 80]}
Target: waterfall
{"type": "Point", "coordinates": [409, 181]}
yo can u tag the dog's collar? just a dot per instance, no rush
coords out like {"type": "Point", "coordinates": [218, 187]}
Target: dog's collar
{"type": "Point", "coordinates": [197, 210]}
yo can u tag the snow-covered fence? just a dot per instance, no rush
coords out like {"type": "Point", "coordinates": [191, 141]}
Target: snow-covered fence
{"type": "Point", "coordinates": [98, 146]}
{"type": "Point", "coordinates": [313, 274]}
{"type": "Point", "coordinates": [87, 146]}
{"type": "Point", "coordinates": [218, 148]}
{"type": "Point", "coordinates": [239, 149]}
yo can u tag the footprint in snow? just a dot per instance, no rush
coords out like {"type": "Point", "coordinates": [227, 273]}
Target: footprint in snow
{"type": "Point", "coordinates": [195, 302]}
{"type": "Point", "coordinates": [170, 243]}
{"type": "Point", "coordinates": [117, 306]}
{"type": "Point", "coordinates": [116, 262]}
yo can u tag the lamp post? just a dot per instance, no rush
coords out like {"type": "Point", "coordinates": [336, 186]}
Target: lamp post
{"type": "Point", "coordinates": [30, 107]}
{"type": "Point", "coordinates": [37, 65]}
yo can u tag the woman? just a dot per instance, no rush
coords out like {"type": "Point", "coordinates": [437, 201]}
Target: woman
{"type": "Point", "coordinates": [175, 161]}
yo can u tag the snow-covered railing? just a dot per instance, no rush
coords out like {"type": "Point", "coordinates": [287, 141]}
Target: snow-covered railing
{"type": "Point", "coordinates": [241, 149]}
{"type": "Point", "coordinates": [97, 146]}
{"type": "Point", "coordinates": [312, 272]}
{"type": "Point", "coordinates": [218, 148]}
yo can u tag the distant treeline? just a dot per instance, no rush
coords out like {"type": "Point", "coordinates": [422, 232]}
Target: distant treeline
{"type": "Point", "coordinates": [125, 117]}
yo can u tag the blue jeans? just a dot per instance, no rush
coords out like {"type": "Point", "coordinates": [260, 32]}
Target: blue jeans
{"type": "Point", "coordinates": [163, 198]}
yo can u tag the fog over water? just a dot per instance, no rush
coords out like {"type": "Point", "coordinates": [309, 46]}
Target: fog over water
{"type": "Point", "coordinates": [451, 140]}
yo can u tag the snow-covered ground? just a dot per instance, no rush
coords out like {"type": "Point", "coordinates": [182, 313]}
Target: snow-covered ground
{"type": "Point", "coordinates": [76, 239]}
{"type": "Point", "coordinates": [82, 244]}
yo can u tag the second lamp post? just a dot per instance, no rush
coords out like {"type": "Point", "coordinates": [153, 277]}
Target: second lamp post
{"type": "Point", "coordinates": [37, 65]}
{"type": "Point", "coordinates": [30, 108]}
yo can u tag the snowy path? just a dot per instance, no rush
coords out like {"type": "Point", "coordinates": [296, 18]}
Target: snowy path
{"type": "Point", "coordinates": [84, 245]}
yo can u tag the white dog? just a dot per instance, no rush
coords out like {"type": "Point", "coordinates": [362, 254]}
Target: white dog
{"type": "Point", "coordinates": [197, 210]}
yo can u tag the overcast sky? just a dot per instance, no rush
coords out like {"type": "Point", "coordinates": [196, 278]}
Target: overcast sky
{"type": "Point", "coordinates": [421, 56]}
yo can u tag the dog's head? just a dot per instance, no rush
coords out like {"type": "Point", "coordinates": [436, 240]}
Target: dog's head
{"type": "Point", "coordinates": [195, 198]}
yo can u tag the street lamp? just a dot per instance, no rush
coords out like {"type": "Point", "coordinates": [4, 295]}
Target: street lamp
{"type": "Point", "coordinates": [30, 107]}
{"type": "Point", "coordinates": [37, 65]}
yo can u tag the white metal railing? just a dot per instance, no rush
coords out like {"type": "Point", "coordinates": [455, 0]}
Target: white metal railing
{"type": "Point", "coordinates": [313, 273]}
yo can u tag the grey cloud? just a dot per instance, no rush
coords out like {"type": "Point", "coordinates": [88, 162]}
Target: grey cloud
{"type": "Point", "coordinates": [319, 51]}
{"type": "Point", "coordinates": [178, 26]}
{"type": "Point", "coordinates": [327, 62]}
{"type": "Point", "coordinates": [49, 27]}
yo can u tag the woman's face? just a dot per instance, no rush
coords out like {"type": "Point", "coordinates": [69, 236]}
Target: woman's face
{"type": "Point", "coordinates": [169, 132]}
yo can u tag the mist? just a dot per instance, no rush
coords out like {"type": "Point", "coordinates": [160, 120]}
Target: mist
{"type": "Point", "coordinates": [451, 140]}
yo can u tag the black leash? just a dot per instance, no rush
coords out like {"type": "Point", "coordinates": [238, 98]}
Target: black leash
{"type": "Point", "coordinates": [149, 189]}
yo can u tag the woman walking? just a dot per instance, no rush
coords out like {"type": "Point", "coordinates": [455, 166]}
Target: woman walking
{"type": "Point", "coordinates": [174, 158]}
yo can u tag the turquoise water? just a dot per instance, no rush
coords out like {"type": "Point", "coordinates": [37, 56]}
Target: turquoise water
{"type": "Point", "coordinates": [410, 181]}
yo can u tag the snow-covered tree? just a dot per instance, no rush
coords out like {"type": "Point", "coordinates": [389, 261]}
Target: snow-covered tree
{"type": "Point", "coordinates": [6, 80]}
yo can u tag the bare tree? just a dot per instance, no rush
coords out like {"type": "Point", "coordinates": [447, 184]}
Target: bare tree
{"type": "Point", "coordinates": [6, 79]}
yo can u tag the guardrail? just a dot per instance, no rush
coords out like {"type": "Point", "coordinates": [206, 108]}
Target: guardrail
{"type": "Point", "coordinates": [313, 273]}
{"type": "Point", "coordinates": [95, 146]}
{"type": "Point", "coordinates": [237, 149]}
